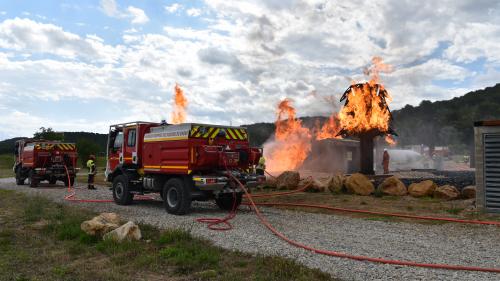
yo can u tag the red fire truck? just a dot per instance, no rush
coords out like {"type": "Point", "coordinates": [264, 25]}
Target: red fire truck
{"type": "Point", "coordinates": [38, 160]}
{"type": "Point", "coordinates": [183, 162]}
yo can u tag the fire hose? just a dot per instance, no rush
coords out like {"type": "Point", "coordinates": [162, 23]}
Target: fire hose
{"type": "Point", "coordinates": [266, 223]}
{"type": "Point", "coordinates": [213, 222]}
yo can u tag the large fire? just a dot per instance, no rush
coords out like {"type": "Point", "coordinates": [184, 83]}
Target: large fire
{"type": "Point", "coordinates": [366, 107]}
{"type": "Point", "coordinates": [366, 110]}
{"type": "Point", "coordinates": [292, 141]}
{"type": "Point", "coordinates": [180, 104]}
{"type": "Point", "coordinates": [330, 128]}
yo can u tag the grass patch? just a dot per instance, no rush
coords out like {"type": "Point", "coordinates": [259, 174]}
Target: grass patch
{"type": "Point", "coordinates": [454, 211]}
{"type": "Point", "coordinates": [48, 235]}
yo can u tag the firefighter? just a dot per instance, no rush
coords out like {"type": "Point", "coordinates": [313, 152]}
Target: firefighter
{"type": "Point", "coordinates": [92, 171]}
{"type": "Point", "coordinates": [261, 166]}
{"type": "Point", "coordinates": [385, 161]}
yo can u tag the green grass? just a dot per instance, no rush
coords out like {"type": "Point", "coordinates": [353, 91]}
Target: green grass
{"type": "Point", "coordinates": [454, 211]}
{"type": "Point", "coordinates": [6, 164]}
{"type": "Point", "coordinates": [36, 231]}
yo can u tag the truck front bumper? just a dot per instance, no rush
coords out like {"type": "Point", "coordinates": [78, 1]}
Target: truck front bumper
{"type": "Point", "coordinates": [212, 183]}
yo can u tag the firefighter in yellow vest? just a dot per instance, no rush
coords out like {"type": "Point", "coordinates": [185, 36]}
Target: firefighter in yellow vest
{"type": "Point", "coordinates": [92, 172]}
{"type": "Point", "coordinates": [261, 166]}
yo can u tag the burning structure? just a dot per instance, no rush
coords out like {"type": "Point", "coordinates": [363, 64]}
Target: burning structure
{"type": "Point", "coordinates": [365, 115]}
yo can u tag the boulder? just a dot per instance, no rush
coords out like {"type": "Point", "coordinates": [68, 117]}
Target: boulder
{"type": "Point", "coordinates": [421, 189]}
{"type": "Point", "coordinates": [335, 183]}
{"type": "Point", "coordinates": [129, 231]}
{"type": "Point", "coordinates": [101, 224]}
{"type": "Point", "coordinates": [446, 192]}
{"type": "Point", "coordinates": [359, 184]}
{"type": "Point", "coordinates": [270, 182]}
{"type": "Point", "coordinates": [313, 185]}
{"type": "Point", "coordinates": [469, 192]}
{"type": "Point", "coordinates": [288, 180]}
{"type": "Point", "coordinates": [392, 186]}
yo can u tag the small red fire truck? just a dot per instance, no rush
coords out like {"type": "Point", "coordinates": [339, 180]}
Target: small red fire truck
{"type": "Point", "coordinates": [38, 160]}
{"type": "Point", "coordinates": [182, 162]}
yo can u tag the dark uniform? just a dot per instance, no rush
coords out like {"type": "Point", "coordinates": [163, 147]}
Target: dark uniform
{"type": "Point", "coordinates": [92, 172]}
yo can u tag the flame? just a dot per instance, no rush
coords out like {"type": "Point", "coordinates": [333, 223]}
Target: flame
{"type": "Point", "coordinates": [367, 107]}
{"type": "Point", "coordinates": [390, 140]}
{"type": "Point", "coordinates": [292, 141]}
{"type": "Point", "coordinates": [329, 130]}
{"type": "Point", "coordinates": [179, 113]}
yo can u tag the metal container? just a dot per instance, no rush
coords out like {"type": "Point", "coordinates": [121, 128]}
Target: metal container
{"type": "Point", "coordinates": [487, 152]}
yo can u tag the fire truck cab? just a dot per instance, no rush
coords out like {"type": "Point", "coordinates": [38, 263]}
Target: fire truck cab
{"type": "Point", "coordinates": [182, 162]}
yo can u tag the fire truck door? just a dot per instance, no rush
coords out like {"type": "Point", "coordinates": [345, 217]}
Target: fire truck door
{"type": "Point", "coordinates": [115, 150]}
{"type": "Point", "coordinates": [130, 146]}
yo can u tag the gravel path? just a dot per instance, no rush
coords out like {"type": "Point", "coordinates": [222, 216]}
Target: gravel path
{"type": "Point", "coordinates": [447, 243]}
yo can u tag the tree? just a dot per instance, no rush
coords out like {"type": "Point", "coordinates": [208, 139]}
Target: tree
{"type": "Point", "coordinates": [85, 148]}
{"type": "Point", "coordinates": [48, 134]}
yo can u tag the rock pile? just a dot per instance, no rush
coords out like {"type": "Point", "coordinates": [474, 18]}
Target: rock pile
{"type": "Point", "coordinates": [108, 226]}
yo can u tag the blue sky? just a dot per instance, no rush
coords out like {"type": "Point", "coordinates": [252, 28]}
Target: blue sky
{"type": "Point", "coordinates": [82, 65]}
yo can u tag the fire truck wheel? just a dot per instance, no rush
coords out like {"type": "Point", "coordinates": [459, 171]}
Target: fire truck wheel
{"type": "Point", "coordinates": [33, 181]}
{"type": "Point", "coordinates": [121, 191]}
{"type": "Point", "coordinates": [176, 197]}
{"type": "Point", "coordinates": [52, 180]}
{"type": "Point", "coordinates": [19, 179]}
{"type": "Point", "coordinates": [226, 201]}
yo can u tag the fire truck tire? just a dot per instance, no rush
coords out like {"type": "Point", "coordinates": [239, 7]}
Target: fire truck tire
{"type": "Point", "coordinates": [226, 201]}
{"type": "Point", "coordinates": [176, 197]}
{"type": "Point", "coordinates": [121, 191]}
{"type": "Point", "coordinates": [19, 179]}
{"type": "Point", "coordinates": [33, 181]}
{"type": "Point", "coordinates": [52, 180]}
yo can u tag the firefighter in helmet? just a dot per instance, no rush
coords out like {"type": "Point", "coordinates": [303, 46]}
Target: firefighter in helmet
{"type": "Point", "coordinates": [385, 161]}
{"type": "Point", "coordinates": [261, 166]}
{"type": "Point", "coordinates": [92, 171]}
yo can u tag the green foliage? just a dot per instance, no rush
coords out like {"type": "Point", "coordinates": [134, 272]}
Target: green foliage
{"type": "Point", "coordinates": [85, 148]}
{"type": "Point", "coordinates": [48, 134]}
{"type": "Point", "coordinates": [448, 122]}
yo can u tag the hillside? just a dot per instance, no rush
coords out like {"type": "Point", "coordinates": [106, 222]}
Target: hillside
{"type": "Point", "coordinates": [447, 122]}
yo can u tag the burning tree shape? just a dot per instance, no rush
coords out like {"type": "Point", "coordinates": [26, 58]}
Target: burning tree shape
{"type": "Point", "coordinates": [366, 111]}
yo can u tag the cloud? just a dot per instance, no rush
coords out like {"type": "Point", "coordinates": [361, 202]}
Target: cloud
{"type": "Point", "coordinates": [109, 7]}
{"type": "Point", "coordinates": [30, 36]}
{"type": "Point", "coordinates": [237, 63]}
{"type": "Point", "coordinates": [193, 12]}
{"type": "Point", "coordinates": [173, 8]}
{"type": "Point", "coordinates": [136, 15]}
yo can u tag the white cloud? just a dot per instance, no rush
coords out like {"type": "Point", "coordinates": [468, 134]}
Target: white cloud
{"type": "Point", "coordinates": [109, 7]}
{"type": "Point", "coordinates": [138, 15]}
{"type": "Point", "coordinates": [30, 36]}
{"type": "Point", "coordinates": [3, 13]}
{"type": "Point", "coordinates": [173, 8]}
{"type": "Point", "coordinates": [193, 12]}
{"type": "Point", "coordinates": [250, 55]}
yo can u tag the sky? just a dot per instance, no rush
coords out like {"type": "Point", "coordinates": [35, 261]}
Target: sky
{"type": "Point", "coordinates": [84, 65]}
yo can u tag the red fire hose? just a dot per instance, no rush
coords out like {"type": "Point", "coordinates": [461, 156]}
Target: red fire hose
{"type": "Point", "coordinates": [354, 257]}
{"type": "Point", "coordinates": [213, 222]}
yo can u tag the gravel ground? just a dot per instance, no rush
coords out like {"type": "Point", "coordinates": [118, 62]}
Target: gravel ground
{"type": "Point", "coordinates": [447, 243]}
